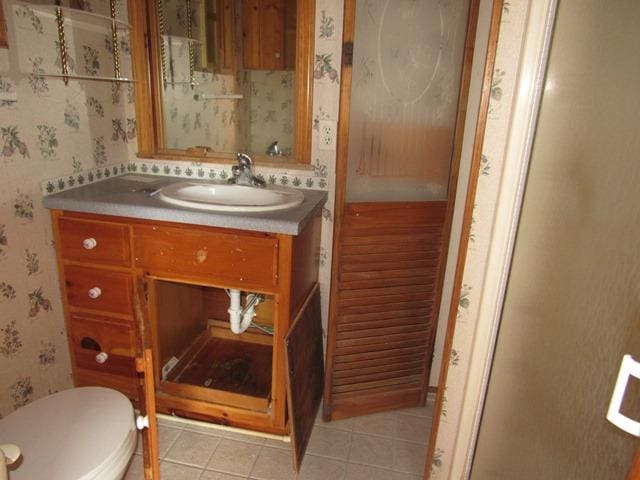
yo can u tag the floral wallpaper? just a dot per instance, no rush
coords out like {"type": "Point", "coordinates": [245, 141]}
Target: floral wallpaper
{"type": "Point", "coordinates": [491, 164]}
{"type": "Point", "coordinates": [76, 133]}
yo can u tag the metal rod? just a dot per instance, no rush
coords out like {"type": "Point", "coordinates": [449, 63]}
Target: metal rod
{"type": "Point", "coordinates": [114, 39]}
{"type": "Point", "coordinates": [64, 65]}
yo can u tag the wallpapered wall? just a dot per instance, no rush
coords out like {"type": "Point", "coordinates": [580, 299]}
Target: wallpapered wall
{"type": "Point", "coordinates": [61, 136]}
{"type": "Point", "coordinates": [508, 53]}
{"type": "Point", "coordinates": [50, 131]}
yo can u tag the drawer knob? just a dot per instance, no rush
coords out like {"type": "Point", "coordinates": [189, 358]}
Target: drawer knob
{"type": "Point", "coordinates": [89, 243]}
{"type": "Point", "coordinates": [95, 292]}
{"type": "Point", "coordinates": [102, 357]}
{"type": "Point", "coordinates": [142, 422]}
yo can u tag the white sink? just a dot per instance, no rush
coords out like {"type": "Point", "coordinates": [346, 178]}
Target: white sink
{"type": "Point", "coordinates": [230, 197]}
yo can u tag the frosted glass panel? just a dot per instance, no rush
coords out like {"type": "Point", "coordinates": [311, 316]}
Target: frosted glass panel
{"type": "Point", "coordinates": [406, 76]}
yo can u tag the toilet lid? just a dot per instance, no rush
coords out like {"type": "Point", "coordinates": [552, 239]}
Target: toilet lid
{"type": "Point", "coordinates": [69, 435]}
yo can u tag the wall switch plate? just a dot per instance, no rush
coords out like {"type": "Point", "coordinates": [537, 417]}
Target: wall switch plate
{"type": "Point", "coordinates": [327, 137]}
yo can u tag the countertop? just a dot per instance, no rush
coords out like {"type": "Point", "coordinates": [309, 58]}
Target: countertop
{"type": "Point", "coordinates": [128, 196]}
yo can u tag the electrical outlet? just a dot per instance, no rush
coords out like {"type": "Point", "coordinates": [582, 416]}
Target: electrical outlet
{"type": "Point", "coordinates": [327, 136]}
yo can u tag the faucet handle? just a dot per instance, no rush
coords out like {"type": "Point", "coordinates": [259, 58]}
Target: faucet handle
{"type": "Point", "coordinates": [244, 160]}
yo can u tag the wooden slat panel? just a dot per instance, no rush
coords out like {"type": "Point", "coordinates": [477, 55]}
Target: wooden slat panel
{"type": "Point", "coordinates": [371, 356]}
{"type": "Point", "coordinates": [354, 372]}
{"type": "Point", "coordinates": [375, 384]}
{"type": "Point", "coordinates": [366, 265]}
{"type": "Point", "coordinates": [383, 325]}
{"type": "Point", "coordinates": [374, 332]}
{"type": "Point", "coordinates": [382, 282]}
{"type": "Point", "coordinates": [405, 272]}
{"type": "Point", "coordinates": [377, 324]}
{"type": "Point", "coordinates": [377, 377]}
{"type": "Point", "coordinates": [371, 258]}
{"type": "Point", "coordinates": [374, 293]}
{"type": "Point", "coordinates": [369, 236]}
{"type": "Point", "coordinates": [405, 246]}
{"type": "Point", "coordinates": [382, 315]}
{"type": "Point", "coordinates": [373, 306]}
{"type": "Point", "coordinates": [362, 403]}
{"type": "Point", "coordinates": [347, 303]}
{"type": "Point", "coordinates": [373, 363]}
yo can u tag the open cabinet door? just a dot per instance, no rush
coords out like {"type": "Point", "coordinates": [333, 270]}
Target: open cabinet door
{"type": "Point", "coordinates": [146, 421]}
{"type": "Point", "coordinates": [305, 373]}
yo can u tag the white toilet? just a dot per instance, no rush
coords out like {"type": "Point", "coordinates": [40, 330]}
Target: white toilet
{"type": "Point", "coordinates": [83, 433]}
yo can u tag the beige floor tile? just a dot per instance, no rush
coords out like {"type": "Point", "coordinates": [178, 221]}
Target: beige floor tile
{"type": "Point", "coordinates": [275, 443]}
{"type": "Point", "coordinates": [371, 450]}
{"type": "Point", "coordinates": [232, 456]}
{"type": "Point", "coordinates": [242, 437]}
{"type": "Point", "coordinates": [426, 411]}
{"type": "Point", "coordinates": [211, 475]}
{"type": "Point", "coordinates": [321, 468]}
{"type": "Point", "coordinates": [175, 471]}
{"type": "Point", "coordinates": [192, 448]}
{"type": "Point", "coordinates": [135, 471]}
{"type": "Point", "coordinates": [410, 457]}
{"type": "Point", "coordinates": [412, 429]}
{"type": "Point", "coordinates": [346, 424]}
{"type": "Point", "coordinates": [329, 442]}
{"type": "Point", "coordinates": [166, 437]}
{"type": "Point", "coordinates": [376, 424]}
{"type": "Point", "coordinates": [366, 472]}
{"type": "Point", "coordinates": [273, 464]}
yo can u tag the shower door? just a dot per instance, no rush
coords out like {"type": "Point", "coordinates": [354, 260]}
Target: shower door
{"type": "Point", "coordinates": [401, 82]}
{"type": "Point", "coordinates": [572, 304]}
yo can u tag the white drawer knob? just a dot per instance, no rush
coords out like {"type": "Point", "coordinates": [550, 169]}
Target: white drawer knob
{"type": "Point", "coordinates": [102, 357]}
{"type": "Point", "coordinates": [142, 422]}
{"type": "Point", "coordinates": [89, 243]}
{"type": "Point", "coordinates": [95, 292]}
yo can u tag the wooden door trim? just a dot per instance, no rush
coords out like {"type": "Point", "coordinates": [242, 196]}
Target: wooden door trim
{"type": "Point", "coordinates": [461, 117]}
{"type": "Point", "coordinates": [342, 148]}
{"type": "Point", "coordinates": [483, 110]}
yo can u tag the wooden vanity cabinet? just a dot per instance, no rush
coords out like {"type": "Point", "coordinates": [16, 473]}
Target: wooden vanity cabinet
{"type": "Point", "coordinates": [129, 282]}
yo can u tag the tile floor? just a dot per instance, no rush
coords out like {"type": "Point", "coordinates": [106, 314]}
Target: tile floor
{"type": "Point", "coordinates": [384, 446]}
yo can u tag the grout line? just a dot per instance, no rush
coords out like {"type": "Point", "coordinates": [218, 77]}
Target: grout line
{"type": "Point", "coordinates": [254, 462]}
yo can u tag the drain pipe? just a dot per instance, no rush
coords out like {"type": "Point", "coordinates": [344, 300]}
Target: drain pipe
{"type": "Point", "coordinates": [241, 318]}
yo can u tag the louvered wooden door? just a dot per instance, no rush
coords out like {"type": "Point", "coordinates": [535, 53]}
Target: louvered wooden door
{"type": "Point", "coordinates": [405, 66]}
{"type": "Point", "coordinates": [384, 325]}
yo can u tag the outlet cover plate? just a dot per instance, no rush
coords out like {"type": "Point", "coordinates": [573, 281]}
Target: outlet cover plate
{"type": "Point", "coordinates": [328, 134]}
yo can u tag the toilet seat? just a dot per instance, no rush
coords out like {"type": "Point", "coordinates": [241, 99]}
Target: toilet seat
{"type": "Point", "coordinates": [83, 433]}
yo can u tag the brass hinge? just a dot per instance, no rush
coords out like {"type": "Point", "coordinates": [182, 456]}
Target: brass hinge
{"type": "Point", "coordinates": [347, 53]}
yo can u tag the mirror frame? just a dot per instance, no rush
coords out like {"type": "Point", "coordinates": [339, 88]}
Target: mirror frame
{"type": "Point", "coordinates": [148, 87]}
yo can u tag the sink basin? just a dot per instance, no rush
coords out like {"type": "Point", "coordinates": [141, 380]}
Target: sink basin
{"type": "Point", "coordinates": [229, 197]}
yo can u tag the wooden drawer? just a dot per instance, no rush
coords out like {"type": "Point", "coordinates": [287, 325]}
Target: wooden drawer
{"type": "Point", "coordinates": [110, 245]}
{"type": "Point", "coordinates": [127, 384]}
{"type": "Point", "coordinates": [114, 294]}
{"type": "Point", "coordinates": [90, 332]}
{"type": "Point", "coordinates": [232, 259]}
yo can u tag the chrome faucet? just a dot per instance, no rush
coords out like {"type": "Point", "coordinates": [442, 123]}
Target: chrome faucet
{"type": "Point", "coordinates": [242, 173]}
{"type": "Point", "coordinates": [274, 150]}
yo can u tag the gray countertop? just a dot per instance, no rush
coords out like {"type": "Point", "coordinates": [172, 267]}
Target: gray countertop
{"type": "Point", "coordinates": [128, 196]}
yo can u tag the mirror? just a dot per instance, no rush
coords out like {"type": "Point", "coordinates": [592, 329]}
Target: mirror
{"type": "Point", "coordinates": [224, 76]}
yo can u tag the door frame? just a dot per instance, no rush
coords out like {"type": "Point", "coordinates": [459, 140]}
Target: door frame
{"type": "Point", "coordinates": [519, 140]}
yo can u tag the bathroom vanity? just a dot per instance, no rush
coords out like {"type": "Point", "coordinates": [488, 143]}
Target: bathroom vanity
{"type": "Point", "coordinates": [137, 272]}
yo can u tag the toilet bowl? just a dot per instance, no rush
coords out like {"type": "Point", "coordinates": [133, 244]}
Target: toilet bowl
{"type": "Point", "coordinates": [83, 433]}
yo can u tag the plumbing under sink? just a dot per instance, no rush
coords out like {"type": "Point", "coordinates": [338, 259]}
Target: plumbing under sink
{"type": "Point", "coordinates": [230, 197]}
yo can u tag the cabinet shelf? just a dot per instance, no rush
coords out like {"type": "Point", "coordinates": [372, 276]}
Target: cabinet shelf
{"type": "Point", "coordinates": [73, 15]}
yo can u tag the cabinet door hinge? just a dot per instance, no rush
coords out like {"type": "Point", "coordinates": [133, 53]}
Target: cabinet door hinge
{"type": "Point", "coordinates": [347, 53]}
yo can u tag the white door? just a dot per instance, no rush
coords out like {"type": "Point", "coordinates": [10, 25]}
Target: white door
{"type": "Point", "coordinates": [572, 306]}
